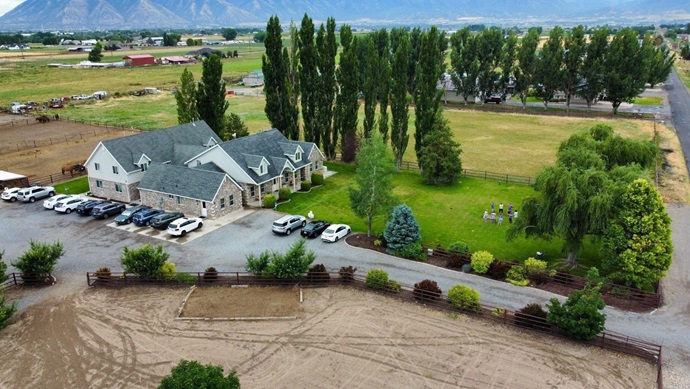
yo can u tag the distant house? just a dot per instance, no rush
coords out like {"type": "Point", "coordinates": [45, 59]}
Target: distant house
{"type": "Point", "coordinates": [139, 59]}
{"type": "Point", "coordinates": [174, 60]}
{"type": "Point", "coordinates": [89, 42]}
{"type": "Point", "coordinates": [205, 52]}
{"type": "Point", "coordinates": [254, 78]}
{"type": "Point", "coordinates": [187, 168]}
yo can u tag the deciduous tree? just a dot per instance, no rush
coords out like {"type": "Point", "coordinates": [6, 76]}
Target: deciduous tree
{"type": "Point", "coordinates": [661, 65]}
{"type": "Point", "coordinates": [309, 80]}
{"type": "Point", "coordinates": [40, 258]}
{"type": "Point", "coordinates": [627, 67]}
{"type": "Point", "coordinates": [327, 48]}
{"type": "Point", "coordinates": [210, 94]}
{"type": "Point", "coordinates": [637, 243]}
{"type": "Point", "coordinates": [550, 70]}
{"type": "Point", "coordinates": [96, 53]}
{"type": "Point", "coordinates": [373, 194]}
{"type": "Point", "coordinates": [575, 47]}
{"type": "Point", "coordinates": [594, 67]}
{"type": "Point", "coordinates": [427, 97]}
{"type": "Point", "coordinates": [347, 104]}
{"type": "Point", "coordinates": [399, 102]}
{"type": "Point", "coordinates": [526, 69]}
{"type": "Point", "coordinates": [145, 261]}
{"type": "Point", "coordinates": [228, 33]}
{"type": "Point", "coordinates": [383, 56]}
{"type": "Point", "coordinates": [490, 43]}
{"type": "Point", "coordinates": [465, 64]}
{"type": "Point", "coordinates": [369, 87]}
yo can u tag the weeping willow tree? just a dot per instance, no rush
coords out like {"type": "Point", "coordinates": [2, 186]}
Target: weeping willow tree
{"type": "Point", "coordinates": [582, 191]}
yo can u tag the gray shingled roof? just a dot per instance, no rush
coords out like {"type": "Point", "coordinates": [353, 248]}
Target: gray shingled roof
{"type": "Point", "coordinates": [160, 145]}
{"type": "Point", "coordinates": [198, 184]}
{"type": "Point", "coordinates": [268, 144]}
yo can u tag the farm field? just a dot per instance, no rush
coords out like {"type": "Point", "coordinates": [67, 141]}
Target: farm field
{"type": "Point", "coordinates": [341, 338]}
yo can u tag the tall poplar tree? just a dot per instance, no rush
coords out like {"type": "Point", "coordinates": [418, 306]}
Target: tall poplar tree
{"type": "Point", "coordinates": [427, 97]}
{"type": "Point", "coordinates": [276, 65]}
{"type": "Point", "coordinates": [327, 49]}
{"type": "Point", "coordinates": [465, 63]}
{"type": "Point", "coordinates": [593, 69]}
{"type": "Point", "coordinates": [210, 94]}
{"type": "Point", "coordinates": [550, 70]}
{"type": "Point", "coordinates": [383, 54]}
{"type": "Point", "coordinates": [489, 55]}
{"type": "Point", "coordinates": [293, 75]}
{"type": "Point", "coordinates": [347, 104]}
{"type": "Point", "coordinates": [309, 80]}
{"type": "Point", "coordinates": [526, 69]}
{"type": "Point", "coordinates": [399, 103]}
{"type": "Point", "coordinates": [508, 57]}
{"type": "Point", "coordinates": [573, 59]}
{"type": "Point", "coordinates": [369, 88]}
{"type": "Point", "coordinates": [627, 67]}
{"type": "Point", "coordinates": [185, 95]}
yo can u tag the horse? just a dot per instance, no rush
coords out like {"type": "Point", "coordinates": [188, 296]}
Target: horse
{"type": "Point", "coordinates": [73, 167]}
{"type": "Point", "coordinates": [43, 119]}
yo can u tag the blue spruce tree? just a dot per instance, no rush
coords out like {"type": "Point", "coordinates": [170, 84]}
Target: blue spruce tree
{"type": "Point", "coordinates": [402, 230]}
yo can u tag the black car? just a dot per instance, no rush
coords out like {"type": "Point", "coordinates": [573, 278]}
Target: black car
{"type": "Point", "coordinates": [86, 207]}
{"type": "Point", "coordinates": [126, 216]}
{"type": "Point", "coordinates": [494, 98]}
{"type": "Point", "coordinates": [160, 222]}
{"type": "Point", "coordinates": [106, 210]}
{"type": "Point", "coordinates": [314, 228]}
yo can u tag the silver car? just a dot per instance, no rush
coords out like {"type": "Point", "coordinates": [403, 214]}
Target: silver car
{"type": "Point", "coordinates": [287, 224]}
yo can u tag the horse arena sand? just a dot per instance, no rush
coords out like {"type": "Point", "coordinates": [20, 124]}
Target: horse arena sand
{"type": "Point", "coordinates": [129, 338]}
{"type": "Point", "coordinates": [71, 142]}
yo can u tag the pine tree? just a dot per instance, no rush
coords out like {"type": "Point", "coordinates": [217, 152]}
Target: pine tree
{"type": "Point", "coordinates": [234, 127]}
{"type": "Point", "coordinates": [399, 104]}
{"type": "Point", "coordinates": [309, 80]}
{"type": "Point", "coordinates": [427, 97]}
{"type": "Point", "coordinates": [185, 96]}
{"type": "Point", "coordinates": [347, 104]}
{"type": "Point", "coordinates": [96, 53]}
{"type": "Point", "coordinates": [402, 229]}
{"type": "Point", "coordinates": [210, 94]}
{"type": "Point", "coordinates": [440, 156]}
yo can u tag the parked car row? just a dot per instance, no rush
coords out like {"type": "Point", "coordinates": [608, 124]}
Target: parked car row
{"type": "Point", "coordinates": [327, 231]}
{"type": "Point", "coordinates": [174, 222]}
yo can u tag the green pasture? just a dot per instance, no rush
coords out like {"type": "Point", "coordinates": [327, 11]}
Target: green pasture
{"type": "Point", "coordinates": [76, 186]}
{"type": "Point", "coordinates": [445, 214]}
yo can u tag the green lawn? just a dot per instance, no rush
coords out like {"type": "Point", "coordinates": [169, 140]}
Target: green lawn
{"type": "Point", "coordinates": [648, 100]}
{"type": "Point", "coordinates": [445, 214]}
{"type": "Point", "coordinates": [76, 186]}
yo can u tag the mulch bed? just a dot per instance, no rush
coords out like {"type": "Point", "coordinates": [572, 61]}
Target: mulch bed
{"type": "Point", "coordinates": [365, 242]}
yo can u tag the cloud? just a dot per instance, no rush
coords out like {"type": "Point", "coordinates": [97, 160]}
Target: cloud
{"type": "Point", "coordinates": [7, 5]}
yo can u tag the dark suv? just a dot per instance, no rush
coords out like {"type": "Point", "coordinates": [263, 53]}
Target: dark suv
{"type": "Point", "coordinates": [103, 211]}
{"type": "Point", "coordinates": [160, 222]}
{"type": "Point", "coordinates": [86, 207]}
{"type": "Point", "coordinates": [142, 218]}
{"type": "Point", "coordinates": [126, 216]}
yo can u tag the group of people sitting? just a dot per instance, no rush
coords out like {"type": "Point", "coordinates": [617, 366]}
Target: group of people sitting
{"type": "Point", "coordinates": [492, 216]}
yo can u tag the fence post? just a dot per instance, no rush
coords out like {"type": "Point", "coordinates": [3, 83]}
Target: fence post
{"type": "Point", "coordinates": [51, 178]}
{"type": "Point", "coordinates": [14, 278]}
{"type": "Point", "coordinates": [238, 278]}
{"type": "Point", "coordinates": [485, 174]}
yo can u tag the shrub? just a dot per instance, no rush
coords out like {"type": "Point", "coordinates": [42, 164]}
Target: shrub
{"type": "Point", "coordinates": [393, 286]}
{"type": "Point", "coordinates": [317, 179]}
{"type": "Point", "coordinates": [532, 316]}
{"type": "Point", "coordinates": [295, 262]}
{"type": "Point", "coordinates": [427, 290]}
{"type": "Point", "coordinates": [145, 261]}
{"type": "Point", "coordinates": [498, 312]}
{"type": "Point", "coordinates": [382, 238]}
{"type": "Point", "coordinates": [193, 374]}
{"type": "Point", "coordinates": [459, 247]}
{"type": "Point", "coordinates": [377, 242]}
{"type": "Point", "coordinates": [284, 194]}
{"type": "Point", "coordinates": [481, 260]}
{"type": "Point", "coordinates": [305, 186]}
{"type": "Point", "coordinates": [347, 274]}
{"type": "Point", "coordinates": [465, 298]}
{"type": "Point", "coordinates": [103, 273]}
{"type": "Point", "coordinates": [517, 275]}
{"type": "Point", "coordinates": [580, 317]}
{"type": "Point", "coordinates": [6, 311]}
{"type": "Point", "coordinates": [318, 273]}
{"type": "Point", "coordinates": [457, 260]}
{"type": "Point", "coordinates": [376, 279]}
{"type": "Point", "coordinates": [168, 272]}
{"type": "Point", "coordinates": [536, 271]}
{"type": "Point", "coordinates": [3, 269]}
{"type": "Point", "coordinates": [258, 265]}
{"type": "Point", "coordinates": [414, 251]}
{"type": "Point", "coordinates": [40, 258]}
{"type": "Point", "coordinates": [185, 278]}
{"type": "Point", "coordinates": [402, 230]}
{"type": "Point", "coordinates": [269, 201]}
{"type": "Point", "coordinates": [499, 269]}
{"type": "Point", "coordinates": [210, 274]}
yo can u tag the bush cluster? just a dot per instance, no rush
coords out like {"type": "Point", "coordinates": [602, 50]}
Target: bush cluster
{"type": "Point", "coordinates": [318, 273]}
{"type": "Point", "coordinates": [517, 275]}
{"type": "Point", "coordinates": [6, 311]}
{"type": "Point", "coordinates": [40, 258]}
{"type": "Point", "coordinates": [376, 279]}
{"type": "Point", "coordinates": [499, 269]}
{"type": "Point", "coordinates": [414, 251]}
{"type": "Point", "coordinates": [103, 273]}
{"type": "Point", "coordinates": [465, 298]}
{"type": "Point", "coordinates": [347, 273]}
{"type": "Point", "coordinates": [459, 247]}
{"type": "Point", "coordinates": [269, 201]}
{"type": "Point", "coordinates": [317, 179]}
{"type": "Point", "coordinates": [427, 290]}
{"type": "Point", "coordinates": [146, 261]}
{"type": "Point", "coordinates": [167, 272]}
{"type": "Point", "coordinates": [284, 194]}
{"type": "Point", "coordinates": [305, 186]}
{"type": "Point", "coordinates": [393, 286]}
{"type": "Point", "coordinates": [532, 316]}
{"type": "Point", "coordinates": [293, 263]}
{"type": "Point", "coordinates": [481, 260]}
{"type": "Point", "coordinates": [210, 274]}
{"type": "Point", "coordinates": [537, 271]}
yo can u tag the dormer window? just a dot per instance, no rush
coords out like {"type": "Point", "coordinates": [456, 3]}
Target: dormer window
{"type": "Point", "coordinates": [144, 167]}
{"type": "Point", "coordinates": [262, 169]}
{"type": "Point", "coordinates": [298, 156]}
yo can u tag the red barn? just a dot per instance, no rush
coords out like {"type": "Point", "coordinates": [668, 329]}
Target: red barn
{"type": "Point", "coordinates": [140, 59]}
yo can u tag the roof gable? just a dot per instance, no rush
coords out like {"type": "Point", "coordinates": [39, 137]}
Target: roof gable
{"type": "Point", "coordinates": [198, 184]}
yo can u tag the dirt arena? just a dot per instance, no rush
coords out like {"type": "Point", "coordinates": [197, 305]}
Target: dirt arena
{"type": "Point", "coordinates": [58, 143]}
{"type": "Point", "coordinates": [128, 338]}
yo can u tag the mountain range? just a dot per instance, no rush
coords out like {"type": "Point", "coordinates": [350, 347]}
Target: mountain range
{"type": "Point", "coordinates": [35, 15]}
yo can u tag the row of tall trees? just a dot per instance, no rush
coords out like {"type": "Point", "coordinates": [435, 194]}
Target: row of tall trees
{"type": "Point", "coordinates": [588, 66]}
{"type": "Point", "coordinates": [386, 69]}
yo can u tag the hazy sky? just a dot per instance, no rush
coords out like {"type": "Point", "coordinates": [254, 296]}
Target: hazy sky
{"type": "Point", "coordinates": [7, 5]}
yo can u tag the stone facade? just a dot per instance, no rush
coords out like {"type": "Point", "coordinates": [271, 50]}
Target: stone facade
{"type": "Point", "coordinates": [221, 206]}
{"type": "Point", "coordinates": [129, 192]}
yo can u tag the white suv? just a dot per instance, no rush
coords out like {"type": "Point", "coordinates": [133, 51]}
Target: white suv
{"type": "Point", "coordinates": [183, 225]}
{"type": "Point", "coordinates": [50, 203]}
{"type": "Point", "coordinates": [287, 224]}
{"type": "Point", "coordinates": [69, 205]}
{"type": "Point", "coordinates": [29, 195]}
{"type": "Point", "coordinates": [10, 194]}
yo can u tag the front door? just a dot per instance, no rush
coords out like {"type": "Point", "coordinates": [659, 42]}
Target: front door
{"type": "Point", "coordinates": [203, 209]}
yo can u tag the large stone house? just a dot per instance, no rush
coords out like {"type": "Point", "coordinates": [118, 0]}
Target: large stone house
{"type": "Point", "coordinates": [188, 168]}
